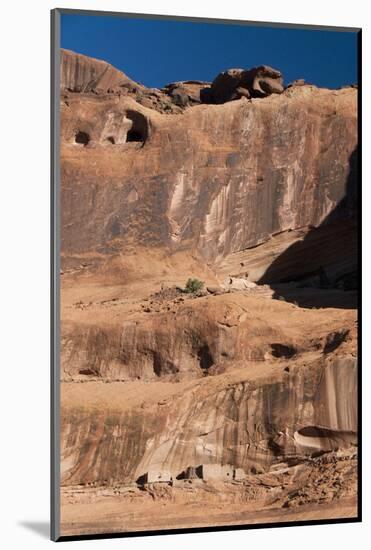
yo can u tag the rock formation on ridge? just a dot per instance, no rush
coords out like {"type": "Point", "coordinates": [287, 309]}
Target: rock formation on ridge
{"type": "Point", "coordinates": [236, 83]}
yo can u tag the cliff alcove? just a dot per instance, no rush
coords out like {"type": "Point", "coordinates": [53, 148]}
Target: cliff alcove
{"type": "Point", "coordinates": [205, 358]}
{"type": "Point", "coordinates": [138, 131]}
{"type": "Point", "coordinates": [82, 138]}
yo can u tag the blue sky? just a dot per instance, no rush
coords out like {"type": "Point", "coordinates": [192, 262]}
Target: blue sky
{"type": "Point", "coordinates": [156, 52]}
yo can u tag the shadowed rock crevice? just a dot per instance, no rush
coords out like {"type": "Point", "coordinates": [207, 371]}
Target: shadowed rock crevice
{"type": "Point", "coordinates": [205, 358]}
{"type": "Point", "coordinates": [88, 372]}
{"type": "Point", "coordinates": [334, 340]}
{"type": "Point", "coordinates": [162, 366]}
{"type": "Point", "coordinates": [318, 438]}
{"type": "Point", "coordinates": [281, 350]}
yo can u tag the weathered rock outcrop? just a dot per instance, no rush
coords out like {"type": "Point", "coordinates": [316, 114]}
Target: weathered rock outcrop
{"type": "Point", "coordinates": [80, 73]}
{"type": "Point", "coordinates": [198, 337]}
{"type": "Point", "coordinates": [188, 92]}
{"type": "Point", "coordinates": [236, 83]}
{"type": "Point", "coordinates": [86, 75]}
{"type": "Point", "coordinates": [250, 423]}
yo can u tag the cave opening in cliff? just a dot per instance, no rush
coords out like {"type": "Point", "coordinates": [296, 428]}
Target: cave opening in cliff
{"type": "Point", "coordinates": [134, 135]}
{"type": "Point", "coordinates": [111, 140]}
{"type": "Point", "coordinates": [138, 131]}
{"type": "Point", "coordinates": [281, 350]}
{"type": "Point", "coordinates": [205, 358]}
{"type": "Point", "coordinates": [82, 138]}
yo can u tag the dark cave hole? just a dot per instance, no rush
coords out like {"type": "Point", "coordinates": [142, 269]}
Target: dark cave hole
{"type": "Point", "coordinates": [141, 480]}
{"type": "Point", "coordinates": [134, 135]}
{"type": "Point", "coordinates": [205, 358]}
{"type": "Point", "coordinates": [280, 350]}
{"type": "Point", "coordinates": [111, 140]}
{"type": "Point", "coordinates": [139, 129]}
{"type": "Point", "coordinates": [82, 138]}
{"type": "Point", "coordinates": [88, 372]}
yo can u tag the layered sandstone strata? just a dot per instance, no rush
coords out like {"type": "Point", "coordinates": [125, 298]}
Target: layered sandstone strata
{"type": "Point", "coordinates": [218, 180]}
{"type": "Point", "coordinates": [159, 186]}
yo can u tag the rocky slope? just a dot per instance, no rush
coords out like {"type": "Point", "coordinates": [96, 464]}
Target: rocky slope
{"type": "Point", "coordinates": [235, 182]}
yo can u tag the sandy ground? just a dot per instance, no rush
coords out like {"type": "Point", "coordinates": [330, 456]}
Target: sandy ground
{"type": "Point", "coordinates": [113, 515]}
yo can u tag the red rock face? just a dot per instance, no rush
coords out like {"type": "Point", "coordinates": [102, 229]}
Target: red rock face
{"type": "Point", "coordinates": [159, 186]}
{"type": "Point", "coordinates": [217, 179]}
{"type": "Point", "coordinates": [80, 73]}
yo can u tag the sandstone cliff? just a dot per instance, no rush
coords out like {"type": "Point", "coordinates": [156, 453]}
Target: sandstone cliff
{"type": "Point", "coordinates": [239, 178]}
{"type": "Point", "coordinates": [80, 73]}
{"type": "Point", "coordinates": [219, 180]}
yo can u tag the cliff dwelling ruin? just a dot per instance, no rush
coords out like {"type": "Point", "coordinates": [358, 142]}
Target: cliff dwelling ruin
{"type": "Point", "coordinates": [205, 472]}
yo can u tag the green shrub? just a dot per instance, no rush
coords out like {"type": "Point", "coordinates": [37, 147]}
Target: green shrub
{"type": "Point", "coordinates": [193, 285]}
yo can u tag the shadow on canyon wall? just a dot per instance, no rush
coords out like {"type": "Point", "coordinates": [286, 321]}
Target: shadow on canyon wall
{"type": "Point", "coordinates": [321, 269]}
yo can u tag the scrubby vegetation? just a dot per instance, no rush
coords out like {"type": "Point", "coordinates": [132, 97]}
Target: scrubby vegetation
{"type": "Point", "coordinates": [193, 285]}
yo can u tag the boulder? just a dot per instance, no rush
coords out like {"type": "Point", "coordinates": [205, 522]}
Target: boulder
{"type": "Point", "coordinates": [236, 283]}
{"type": "Point", "coordinates": [297, 82]}
{"type": "Point", "coordinates": [214, 290]}
{"type": "Point", "coordinates": [187, 92]}
{"type": "Point", "coordinates": [236, 83]}
{"type": "Point", "coordinates": [180, 97]}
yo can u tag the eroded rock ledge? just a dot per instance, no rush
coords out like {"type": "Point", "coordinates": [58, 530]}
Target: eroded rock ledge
{"type": "Point", "coordinates": [87, 75]}
{"type": "Point", "coordinates": [250, 422]}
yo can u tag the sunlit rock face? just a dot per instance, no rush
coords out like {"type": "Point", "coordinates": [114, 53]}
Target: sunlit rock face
{"type": "Point", "coordinates": [198, 337]}
{"type": "Point", "coordinates": [250, 424]}
{"type": "Point", "coordinates": [80, 73]}
{"type": "Point", "coordinates": [254, 184]}
{"type": "Point", "coordinates": [217, 179]}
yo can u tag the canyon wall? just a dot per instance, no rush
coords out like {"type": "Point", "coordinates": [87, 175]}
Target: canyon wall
{"type": "Point", "coordinates": [251, 424]}
{"type": "Point", "coordinates": [156, 190]}
{"type": "Point", "coordinates": [216, 179]}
